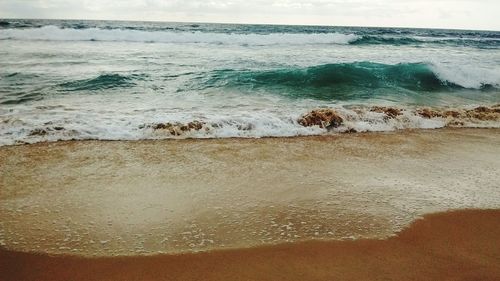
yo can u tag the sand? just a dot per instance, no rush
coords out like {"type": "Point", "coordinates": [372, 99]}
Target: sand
{"type": "Point", "coordinates": [461, 245]}
{"type": "Point", "coordinates": [124, 201]}
{"type": "Point", "coordinates": [97, 198]}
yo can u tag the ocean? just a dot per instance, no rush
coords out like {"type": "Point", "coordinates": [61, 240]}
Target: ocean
{"type": "Point", "coordinates": [116, 80]}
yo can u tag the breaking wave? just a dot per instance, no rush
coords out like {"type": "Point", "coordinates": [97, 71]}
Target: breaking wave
{"type": "Point", "coordinates": [54, 33]}
{"type": "Point", "coordinates": [322, 121]}
{"type": "Point", "coordinates": [331, 80]}
{"type": "Point", "coordinates": [84, 33]}
{"type": "Point", "coordinates": [486, 43]}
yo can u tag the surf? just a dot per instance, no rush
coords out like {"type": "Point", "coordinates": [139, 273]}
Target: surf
{"type": "Point", "coordinates": [194, 34]}
{"type": "Point", "coordinates": [54, 33]}
{"type": "Point", "coordinates": [343, 80]}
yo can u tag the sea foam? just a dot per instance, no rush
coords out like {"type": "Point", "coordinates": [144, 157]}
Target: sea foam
{"type": "Point", "coordinates": [54, 33]}
{"type": "Point", "coordinates": [473, 77]}
{"type": "Point", "coordinates": [42, 126]}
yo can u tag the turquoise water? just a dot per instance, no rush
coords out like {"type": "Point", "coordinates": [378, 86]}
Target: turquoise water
{"type": "Point", "coordinates": [110, 80]}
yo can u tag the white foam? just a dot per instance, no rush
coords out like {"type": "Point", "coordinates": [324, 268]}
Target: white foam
{"type": "Point", "coordinates": [53, 33]}
{"type": "Point", "coordinates": [368, 121]}
{"type": "Point", "coordinates": [467, 76]}
{"type": "Point", "coordinates": [79, 123]}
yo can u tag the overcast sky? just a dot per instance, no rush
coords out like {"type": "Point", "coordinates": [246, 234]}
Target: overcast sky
{"type": "Point", "coordinates": [468, 14]}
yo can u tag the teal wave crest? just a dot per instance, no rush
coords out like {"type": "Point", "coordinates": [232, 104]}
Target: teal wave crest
{"type": "Point", "coordinates": [335, 80]}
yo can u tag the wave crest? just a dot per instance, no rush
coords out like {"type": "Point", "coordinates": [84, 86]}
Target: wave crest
{"type": "Point", "coordinates": [102, 82]}
{"type": "Point", "coordinates": [484, 43]}
{"type": "Point", "coordinates": [359, 78]}
{"type": "Point", "coordinates": [81, 32]}
{"type": "Point", "coordinates": [53, 33]}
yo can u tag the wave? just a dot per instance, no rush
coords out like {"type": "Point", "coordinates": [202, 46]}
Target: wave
{"type": "Point", "coordinates": [351, 82]}
{"type": "Point", "coordinates": [102, 82]}
{"type": "Point", "coordinates": [81, 32]}
{"type": "Point", "coordinates": [385, 40]}
{"type": "Point", "coordinates": [53, 33]}
{"type": "Point", "coordinates": [21, 87]}
{"type": "Point", "coordinates": [399, 40]}
{"type": "Point", "coordinates": [358, 78]}
{"type": "Point", "coordinates": [350, 119]}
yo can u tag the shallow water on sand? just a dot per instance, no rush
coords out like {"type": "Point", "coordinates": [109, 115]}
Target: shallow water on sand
{"type": "Point", "coordinates": [127, 198]}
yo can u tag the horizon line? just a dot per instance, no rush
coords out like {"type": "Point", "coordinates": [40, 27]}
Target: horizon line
{"type": "Point", "coordinates": [246, 23]}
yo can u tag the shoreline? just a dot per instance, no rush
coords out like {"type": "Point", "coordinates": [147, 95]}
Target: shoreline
{"type": "Point", "coordinates": [317, 122]}
{"type": "Point", "coordinates": [455, 245]}
{"type": "Point", "coordinates": [325, 137]}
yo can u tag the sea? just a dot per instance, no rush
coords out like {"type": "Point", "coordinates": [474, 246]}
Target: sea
{"type": "Point", "coordinates": [119, 80]}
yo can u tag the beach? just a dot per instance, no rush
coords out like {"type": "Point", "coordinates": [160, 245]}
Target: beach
{"type": "Point", "coordinates": [451, 246]}
{"type": "Point", "coordinates": [139, 150]}
{"type": "Point", "coordinates": [254, 209]}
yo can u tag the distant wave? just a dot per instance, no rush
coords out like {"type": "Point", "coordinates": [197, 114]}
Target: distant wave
{"type": "Point", "coordinates": [326, 81]}
{"type": "Point", "coordinates": [384, 40]}
{"type": "Point", "coordinates": [81, 33]}
{"type": "Point", "coordinates": [53, 33]}
{"type": "Point", "coordinates": [400, 40]}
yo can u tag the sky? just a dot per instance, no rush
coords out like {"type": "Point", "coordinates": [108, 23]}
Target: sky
{"type": "Point", "coordinates": [462, 14]}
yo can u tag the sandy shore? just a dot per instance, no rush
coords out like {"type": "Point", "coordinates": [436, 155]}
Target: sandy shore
{"type": "Point", "coordinates": [461, 245]}
{"type": "Point", "coordinates": [310, 208]}
{"type": "Point", "coordinates": [151, 197]}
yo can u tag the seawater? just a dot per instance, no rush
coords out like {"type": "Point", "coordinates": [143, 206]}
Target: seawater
{"type": "Point", "coordinates": [114, 80]}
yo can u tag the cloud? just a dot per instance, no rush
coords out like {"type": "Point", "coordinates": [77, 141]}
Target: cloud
{"type": "Point", "coordinates": [479, 14]}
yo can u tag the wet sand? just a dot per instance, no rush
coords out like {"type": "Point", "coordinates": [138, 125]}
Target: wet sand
{"type": "Point", "coordinates": [309, 208]}
{"type": "Point", "coordinates": [101, 199]}
{"type": "Point", "coordinates": [461, 245]}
